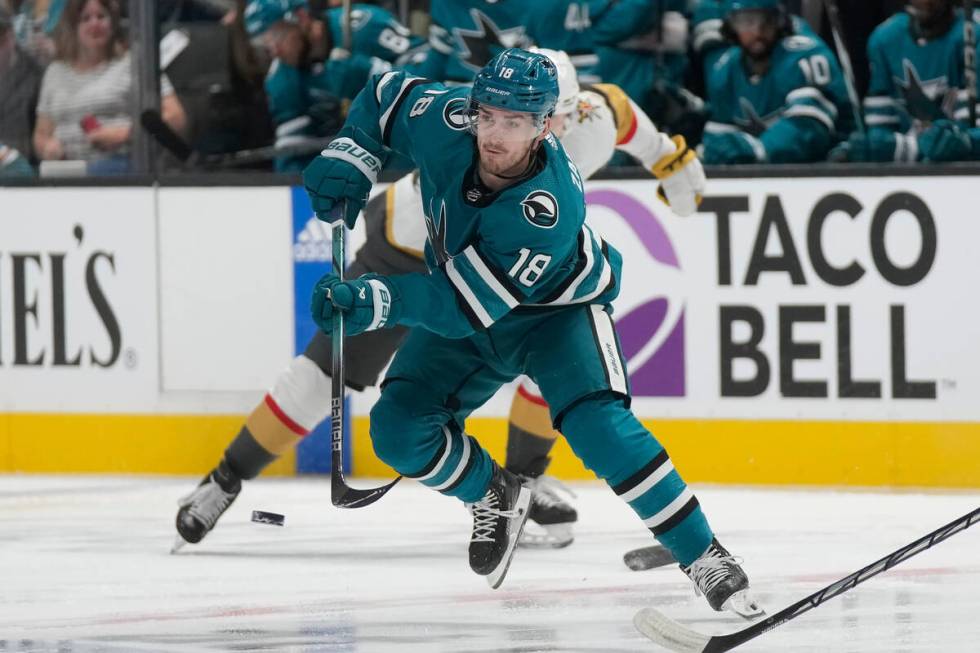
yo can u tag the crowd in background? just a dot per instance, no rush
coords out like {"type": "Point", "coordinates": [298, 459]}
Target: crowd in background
{"type": "Point", "coordinates": [262, 83]}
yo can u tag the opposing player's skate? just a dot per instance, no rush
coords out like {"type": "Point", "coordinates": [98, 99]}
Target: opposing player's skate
{"type": "Point", "coordinates": [200, 510]}
{"type": "Point", "coordinates": [718, 576]}
{"type": "Point", "coordinates": [552, 515]}
{"type": "Point", "coordinates": [498, 519]}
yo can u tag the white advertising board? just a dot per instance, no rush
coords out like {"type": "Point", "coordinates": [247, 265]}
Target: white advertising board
{"type": "Point", "coordinates": [836, 299]}
{"type": "Point", "coordinates": [78, 299]}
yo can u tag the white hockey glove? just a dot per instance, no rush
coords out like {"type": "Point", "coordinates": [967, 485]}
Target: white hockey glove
{"type": "Point", "coordinates": [681, 178]}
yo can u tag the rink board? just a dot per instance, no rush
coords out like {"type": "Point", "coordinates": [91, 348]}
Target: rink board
{"type": "Point", "coordinates": [814, 331]}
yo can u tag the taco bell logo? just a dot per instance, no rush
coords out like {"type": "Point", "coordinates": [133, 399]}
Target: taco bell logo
{"type": "Point", "coordinates": [652, 333]}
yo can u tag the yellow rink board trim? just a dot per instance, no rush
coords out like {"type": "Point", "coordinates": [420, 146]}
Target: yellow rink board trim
{"type": "Point", "coordinates": [142, 444]}
{"type": "Point", "coordinates": [717, 451]}
{"type": "Point", "coordinates": [773, 452]}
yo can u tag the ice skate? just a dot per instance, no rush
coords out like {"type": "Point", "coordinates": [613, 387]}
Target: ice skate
{"type": "Point", "coordinates": [200, 510]}
{"type": "Point", "coordinates": [552, 515]}
{"type": "Point", "coordinates": [498, 519]}
{"type": "Point", "coordinates": [718, 576]}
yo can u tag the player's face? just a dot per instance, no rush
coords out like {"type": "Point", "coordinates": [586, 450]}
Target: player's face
{"type": "Point", "coordinates": [505, 139]}
{"type": "Point", "coordinates": [930, 12]}
{"type": "Point", "coordinates": [285, 41]}
{"type": "Point", "coordinates": [756, 31]}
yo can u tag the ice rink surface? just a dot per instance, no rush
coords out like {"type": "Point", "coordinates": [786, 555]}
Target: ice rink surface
{"type": "Point", "coordinates": [85, 566]}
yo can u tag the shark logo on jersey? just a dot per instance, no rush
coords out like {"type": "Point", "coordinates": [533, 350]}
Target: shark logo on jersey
{"type": "Point", "coordinates": [925, 100]}
{"type": "Point", "coordinates": [454, 114]}
{"type": "Point", "coordinates": [480, 45]}
{"type": "Point", "coordinates": [540, 209]}
{"type": "Point", "coordinates": [437, 233]}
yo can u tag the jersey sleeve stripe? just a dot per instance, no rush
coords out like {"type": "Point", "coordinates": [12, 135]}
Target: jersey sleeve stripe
{"type": "Point", "coordinates": [466, 294]}
{"type": "Point", "coordinates": [713, 127]}
{"type": "Point", "coordinates": [807, 111]}
{"type": "Point", "coordinates": [382, 83]}
{"type": "Point", "coordinates": [605, 281]}
{"type": "Point", "coordinates": [879, 102]}
{"type": "Point", "coordinates": [572, 276]}
{"type": "Point", "coordinates": [587, 246]}
{"type": "Point", "coordinates": [386, 122]}
{"type": "Point", "coordinates": [814, 94]}
{"type": "Point", "coordinates": [492, 278]}
{"type": "Point", "coordinates": [873, 120]}
{"type": "Point", "coordinates": [294, 125]}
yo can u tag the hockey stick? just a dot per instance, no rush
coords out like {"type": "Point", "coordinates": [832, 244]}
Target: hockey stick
{"type": "Point", "coordinates": [341, 494]}
{"type": "Point", "coordinates": [970, 60]}
{"type": "Point", "coordinates": [345, 27]}
{"type": "Point", "coordinates": [648, 557]}
{"type": "Point", "coordinates": [833, 17]}
{"type": "Point", "coordinates": [676, 637]}
{"type": "Point", "coordinates": [171, 141]}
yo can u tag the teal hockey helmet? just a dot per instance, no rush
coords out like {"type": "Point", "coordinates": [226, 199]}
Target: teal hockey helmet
{"type": "Point", "coordinates": [517, 80]}
{"type": "Point", "coordinates": [260, 15]}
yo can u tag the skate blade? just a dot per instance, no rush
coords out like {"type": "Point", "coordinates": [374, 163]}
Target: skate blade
{"type": "Point", "coordinates": [742, 604]}
{"type": "Point", "coordinates": [496, 577]}
{"type": "Point", "coordinates": [178, 545]}
{"type": "Point", "coordinates": [550, 536]}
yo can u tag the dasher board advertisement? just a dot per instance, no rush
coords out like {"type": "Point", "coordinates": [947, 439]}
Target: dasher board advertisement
{"type": "Point", "coordinates": [837, 299]}
{"type": "Point", "coordinates": [78, 299]}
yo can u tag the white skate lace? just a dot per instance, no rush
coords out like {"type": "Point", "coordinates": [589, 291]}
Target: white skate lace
{"type": "Point", "coordinates": [709, 570]}
{"type": "Point", "coordinates": [485, 516]}
{"type": "Point", "coordinates": [545, 491]}
{"type": "Point", "coordinates": [207, 502]}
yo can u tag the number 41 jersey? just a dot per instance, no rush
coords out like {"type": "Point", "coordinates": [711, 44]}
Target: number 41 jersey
{"type": "Point", "coordinates": [488, 252]}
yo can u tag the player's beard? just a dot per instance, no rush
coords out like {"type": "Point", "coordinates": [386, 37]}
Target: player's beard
{"type": "Point", "coordinates": [505, 162]}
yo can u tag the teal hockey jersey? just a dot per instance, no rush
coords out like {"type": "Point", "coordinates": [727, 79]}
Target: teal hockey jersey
{"type": "Point", "coordinates": [465, 34]}
{"type": "Point", "coordinates": [914, 81]}
{"type": "Point", "coordinates": [796, 111]}
{"type": "Point", "coordinates": [301, 98]}
{"type": "Point", "coordinates": [525, 247]}
{"type": "Point", "coordinates": [374, 32]}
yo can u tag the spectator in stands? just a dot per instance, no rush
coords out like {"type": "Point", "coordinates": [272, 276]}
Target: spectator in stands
{"type": "Point", "coordinates": [776, 96]}
{"type": "Point", "coordinates": [916, 107]}
{"type": "Point", "coordinates": [308, 79]}
{"type": "Point", "coordinates": [84, 111]}
{"type": "Point", "coordinates": [20, 81]}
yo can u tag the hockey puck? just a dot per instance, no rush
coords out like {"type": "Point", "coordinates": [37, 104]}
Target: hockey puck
{"type": "Point", "coordinates": [271, 518]}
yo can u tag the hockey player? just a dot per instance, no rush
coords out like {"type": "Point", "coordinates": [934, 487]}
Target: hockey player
{"type": "Point", "coordinates": [465, 34]}
{"type": "Point", "coordinates": [592, 124]}
{"type": "Point", "coordinates": [310, 76]}
{"type": "Point", "coordinates": [517, 283]}
{"type": "Point", "coordinates": [642, 47]}
{"type": "Point", "coordinates": [776, 96]}
{"type": "Point", "coordinates": [916, 106]}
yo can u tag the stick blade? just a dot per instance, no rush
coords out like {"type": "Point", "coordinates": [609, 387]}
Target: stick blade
{"type": "Point", "coordinates": [648, 557]}
{"type": "Point", "coordinates": [666, 632]}
{"type": "Point", "coordinates": [343, 496]}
